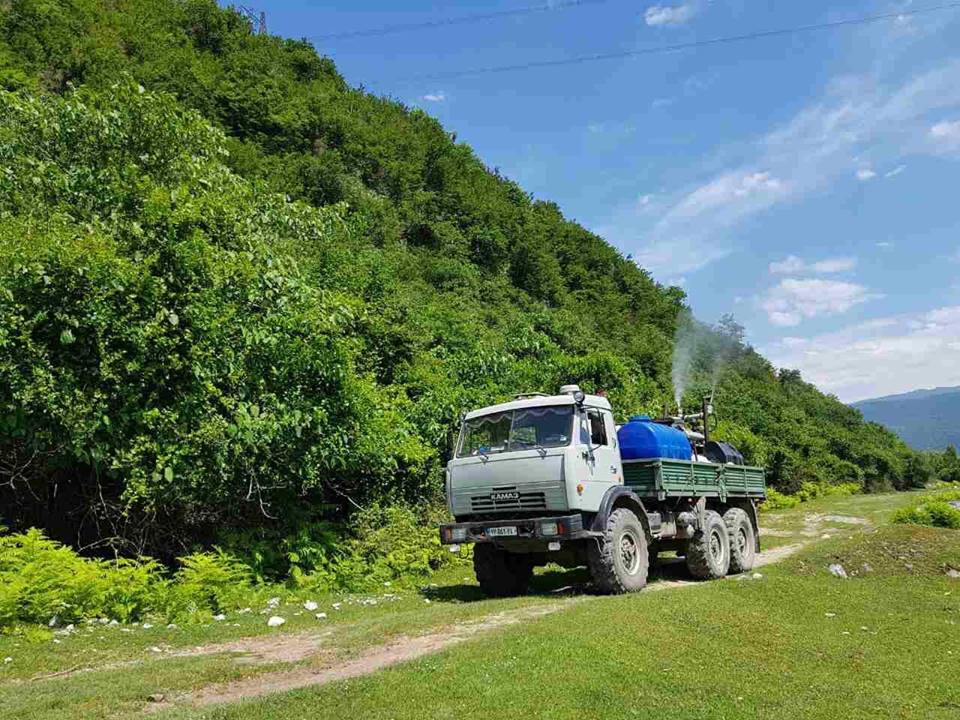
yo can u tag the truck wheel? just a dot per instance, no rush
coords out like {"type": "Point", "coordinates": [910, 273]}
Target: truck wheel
{"type": "Point", "coordinates": [500, 574]}
{"type": "Point", "coordinates": [708, 551]}
{"type": "Point", "coordinates": [743, 548]}
{"type": "Point", "coordinates": [619, 561]}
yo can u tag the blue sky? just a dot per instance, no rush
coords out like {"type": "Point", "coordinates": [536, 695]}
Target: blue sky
{"type": "Point", "coordinates": [809, 184]}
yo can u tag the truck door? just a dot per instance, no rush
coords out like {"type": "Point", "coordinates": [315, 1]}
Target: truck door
{"type": "Point", "coordinates": [599, 456]}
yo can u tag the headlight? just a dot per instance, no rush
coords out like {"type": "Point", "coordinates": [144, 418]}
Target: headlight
{"type": "Point", "coordinates": [548, 528]}
{"type": "Point", "coordinates": [459, 534]}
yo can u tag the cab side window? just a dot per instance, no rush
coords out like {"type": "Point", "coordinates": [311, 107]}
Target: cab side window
{"type": "Point", "coordinates": [598, 429]}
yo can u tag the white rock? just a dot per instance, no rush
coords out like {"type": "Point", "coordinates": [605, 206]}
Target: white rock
{"type": "Point", "coordinates": [756, 576]}
{"type": "Point", "coordinates": [53, 621]}
{"type": "Point", "coordinates": [147, 626]}
{"type": "Point", "coordinates": [336, 606]}
{"type": "Point", "coordinates": [7, 660]}
{"type": "Point", "coordinates": [171, 626]}
{"type": "Point", "coordinates": [310, 605]}
{"type": "Point", "coordinates": [114, 623]}
{"type": "Point", "coordinates": [127, 630]}
{"type": "Point", "coordinates": [427, 600]}
{"type": "Point", "coordinates": [275, 621]}
{"type": "Point", "coordinates": [244, 611]}
{"type": "Point", "coordinates": [321, 616]}
{"type": "Point", "coordinates": [57, 642]}
{"type": "Point", "coordinates": [155, 649]}
{"type": "Point", "coordinates": [69, 628]}
{"type": "Point", "coordinates": [220, 618]}
{"type": "Point", "coordinates": [831, 614]}
{"type": "Point", "coordinates": [837, 570]}
{"type": "Point", "coordinates": [103, 621]}
{"type": "Point", "coordinates": [273, 602]}
{"type": "Point", "coordinates": [387, 584]}
{"type": "Point", "coordinates": [953, 573]}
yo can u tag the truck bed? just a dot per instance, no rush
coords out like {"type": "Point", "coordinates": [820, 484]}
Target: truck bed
{"type": "Point", "coordinates": [663, 478]}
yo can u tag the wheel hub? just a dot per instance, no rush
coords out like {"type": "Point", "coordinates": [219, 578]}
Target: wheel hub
{"type": "Point", "coordinates": [716, 547]}
{"type": "Point", "coordinates": [629, 553]}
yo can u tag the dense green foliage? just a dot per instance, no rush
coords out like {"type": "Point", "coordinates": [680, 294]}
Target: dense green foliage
{"type": "Point", "coordinates": [45, 582]}
{"type": "Point", "coordinates": [240, 300]}
{"type": "Point", "coordinates": [936, 511]}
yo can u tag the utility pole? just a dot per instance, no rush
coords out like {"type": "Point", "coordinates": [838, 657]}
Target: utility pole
{"type": "Point", "coordinates": [258, 19]}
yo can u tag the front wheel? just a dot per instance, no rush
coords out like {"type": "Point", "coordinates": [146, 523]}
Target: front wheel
{"type": "Point", "coordinates": [619, 561]}
{"type": "Point", "coordinates": [500, 574]}
{"type": "Point", "coordinates": [708, 551]}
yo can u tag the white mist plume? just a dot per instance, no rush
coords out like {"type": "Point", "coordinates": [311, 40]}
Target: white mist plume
{"type": "Point", "coordinates": [703, 350]}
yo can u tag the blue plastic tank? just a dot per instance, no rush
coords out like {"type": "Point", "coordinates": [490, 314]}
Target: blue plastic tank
{"type": "Point", "coordinates": [643, 439]}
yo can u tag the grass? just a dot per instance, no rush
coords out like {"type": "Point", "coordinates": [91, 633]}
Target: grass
{"type": "Point", "coordinates": [737, 648]}
{"type": "Point", "coordinates": [797, 642]}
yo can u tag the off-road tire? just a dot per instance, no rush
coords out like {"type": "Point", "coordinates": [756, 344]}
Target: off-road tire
{"type": "Point", "coordinates": [743, 540]}
{"type": "Point", "coordinates": [500, 574]}
{"type": "Point", "coordinates": [708, 551]}
{"type": "Point", "coordinates": [619, 561]}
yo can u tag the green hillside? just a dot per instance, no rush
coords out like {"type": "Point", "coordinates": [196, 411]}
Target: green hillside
{"type": "Point", "coordinates": [238, 296]}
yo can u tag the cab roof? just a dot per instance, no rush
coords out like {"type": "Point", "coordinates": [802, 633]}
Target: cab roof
{"type": "Point", "coordinates": [593, 401]}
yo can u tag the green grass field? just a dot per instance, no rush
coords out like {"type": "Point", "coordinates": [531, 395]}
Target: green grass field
{"type": "Point", "coordinates": [795, 642]}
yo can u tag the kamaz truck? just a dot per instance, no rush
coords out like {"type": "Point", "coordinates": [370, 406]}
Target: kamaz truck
{"type": "Point", "coordinates": [551, 479]}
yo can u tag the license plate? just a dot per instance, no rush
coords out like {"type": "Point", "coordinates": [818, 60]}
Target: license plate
{"type": "Point", "coordinates": [506, 531]}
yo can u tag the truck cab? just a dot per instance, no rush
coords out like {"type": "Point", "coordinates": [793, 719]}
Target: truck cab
{"type": "Point", "coordinates": [553, 453]}
{"type": "Point", "coordinates": [542, 479]}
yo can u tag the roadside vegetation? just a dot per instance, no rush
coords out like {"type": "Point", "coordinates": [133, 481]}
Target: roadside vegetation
{"type": "Point", "coordinates": [940, 510]}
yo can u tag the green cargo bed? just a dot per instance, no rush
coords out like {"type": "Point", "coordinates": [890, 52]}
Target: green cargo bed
{"type": "Point", "coordinates": [663, 478]}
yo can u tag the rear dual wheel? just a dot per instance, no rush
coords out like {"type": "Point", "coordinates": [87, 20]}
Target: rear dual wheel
{"type": "Point", "coordinates": [743, 540]}
{"type": "Point", "coordinates": [708, 551]}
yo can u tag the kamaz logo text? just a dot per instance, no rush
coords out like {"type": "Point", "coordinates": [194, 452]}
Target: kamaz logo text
{"type": "Point", "coordinates": [501, 496]}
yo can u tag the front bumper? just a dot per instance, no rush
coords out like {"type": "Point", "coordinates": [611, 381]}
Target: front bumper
{"type": "Point", "coordinates": [569, 527]}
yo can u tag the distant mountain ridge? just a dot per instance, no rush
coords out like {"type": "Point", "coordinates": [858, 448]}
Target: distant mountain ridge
{"type": "Point", "coordinates": [927, 419]}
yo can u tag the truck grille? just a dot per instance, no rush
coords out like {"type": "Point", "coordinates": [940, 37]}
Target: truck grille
{"type": "Point", "coordinates": [525, 501]}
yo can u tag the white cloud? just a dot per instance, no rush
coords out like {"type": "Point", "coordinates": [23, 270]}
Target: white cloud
{"type": "Point", "coordinates": [438, 96]}
{"type": "Point", "coordinates": [646, 199]}
{"type": "Point", "coordinates": [865, 174]}
{"type": "Point", "coordinates": [834, 265]}
{"type": "Point", "coordinates": [791, 265]}
{"type": "Point", "coordinates": [885, 245]}
{"type": "Point", "coordinates": [947, 133]}
{"type": "Point", "coordinates": [896, 171]}
{"type": "Point", "coordinates": [788, 266]}
{"type": "Point", "coordinates": [881, 357]}
{"type": "Point", "coordinates": [795, 300]}
{"type": "Point", "coordinates": [658, 15]}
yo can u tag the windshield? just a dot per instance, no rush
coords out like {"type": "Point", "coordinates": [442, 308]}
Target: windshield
{"type": "Point", "coordinates": [539, 427]}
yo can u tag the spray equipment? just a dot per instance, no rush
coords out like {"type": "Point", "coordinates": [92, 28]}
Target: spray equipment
{"type": "Point", "coordinates": [696, 425]}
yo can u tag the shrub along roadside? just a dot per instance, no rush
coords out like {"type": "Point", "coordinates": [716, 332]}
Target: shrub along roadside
{"type": "Point", "coordinates": [43, 581]}
{"type": "Point", "coordinates": [934, 512]}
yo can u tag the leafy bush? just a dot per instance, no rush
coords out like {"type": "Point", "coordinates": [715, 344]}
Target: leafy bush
{"type": "Point", "coordinates": [778, 501]}
{"type": "Point", "coordinates": [935, 512]}
{"type": "Point", "coordinates": [41, 579]}
{"type": "Point", "coordinates": [393, 543]}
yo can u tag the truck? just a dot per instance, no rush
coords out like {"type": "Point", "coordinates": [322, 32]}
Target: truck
{"type": "Point", "coordinates": [552, 479]}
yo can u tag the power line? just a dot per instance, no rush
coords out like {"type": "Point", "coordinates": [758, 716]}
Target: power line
{"type": "Point", "coordinates": [459, 20]}
{"type": "Point", "coordinates": [661, 49]}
